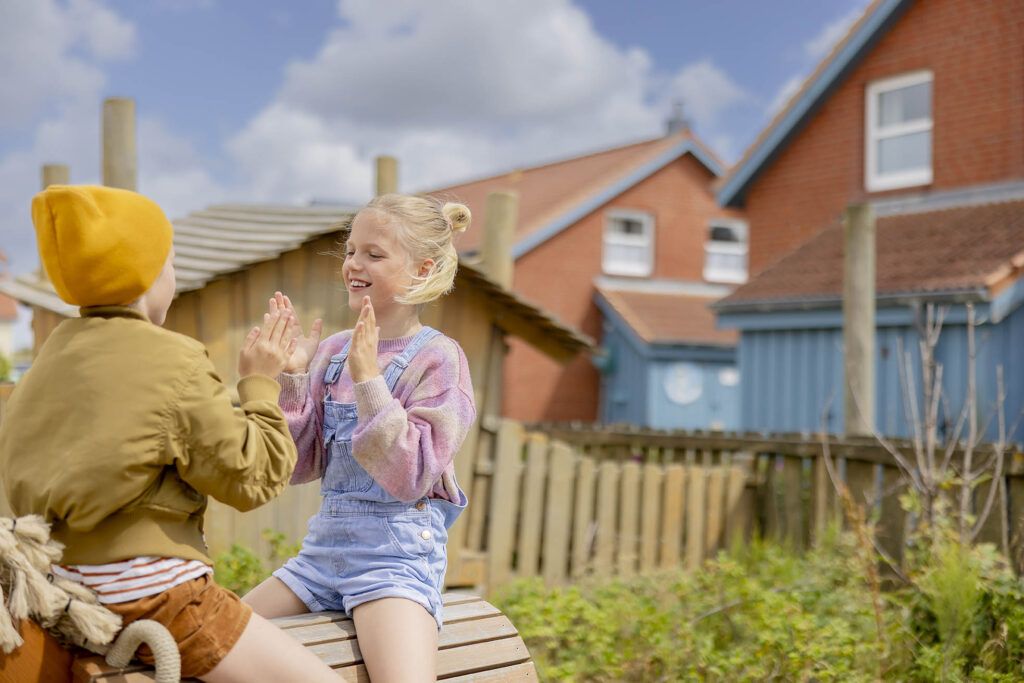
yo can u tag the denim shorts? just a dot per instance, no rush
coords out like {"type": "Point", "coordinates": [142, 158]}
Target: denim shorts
{"type": "Point", "coordinates": [358, 551]}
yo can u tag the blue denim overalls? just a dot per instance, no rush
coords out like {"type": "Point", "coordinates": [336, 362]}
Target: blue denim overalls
{"type": "Point", "coordinates": [365, 544]}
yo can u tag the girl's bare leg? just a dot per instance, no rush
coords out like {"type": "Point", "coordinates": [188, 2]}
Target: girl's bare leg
{"type": "Point", "coordinates": [266, 653]}
{"type": "Point", "coordinates": [273, 598]}
{"type": "Point", "coordinates": [381, 624]}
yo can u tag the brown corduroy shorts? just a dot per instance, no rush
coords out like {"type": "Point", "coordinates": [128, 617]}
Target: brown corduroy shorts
{"type": "Point", "coordinates": [205, 620]}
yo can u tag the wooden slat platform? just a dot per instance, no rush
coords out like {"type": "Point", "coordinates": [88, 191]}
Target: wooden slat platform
{"type": "Point", "coordinates": [477, 643]}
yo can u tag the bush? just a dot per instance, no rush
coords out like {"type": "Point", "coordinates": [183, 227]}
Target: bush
{"type": "Point", "coordinates": [240, 569]}
{"type": "Point", "coordinates": [764, 613]}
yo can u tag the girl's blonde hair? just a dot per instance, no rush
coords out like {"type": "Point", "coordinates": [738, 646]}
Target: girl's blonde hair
{"type": "Point", "coordinates": [426, 226]}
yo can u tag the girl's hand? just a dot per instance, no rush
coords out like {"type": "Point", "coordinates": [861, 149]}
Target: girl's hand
{"type": "Point", "coordinates": [266, 349]}
{"type": "Point", "coordinates": [362, 352]}
{"type": "Point", "coordinates": [305, 346]}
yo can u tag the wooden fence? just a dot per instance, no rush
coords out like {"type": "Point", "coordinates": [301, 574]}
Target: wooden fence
{"type": "Point", "coordinates": [561, 501]}
{"type": "Point", "coordinates": [556, 512]}
{"type": "Point", "coordinates": [793, 496]}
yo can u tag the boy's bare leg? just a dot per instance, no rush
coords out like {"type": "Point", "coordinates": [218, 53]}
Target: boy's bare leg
{"type": "Point", "coordinates": [382, 623]}
{"type": "Point", "coordinates": [266, 653]}
{"type": "Point", "coordinates": [273, 598]}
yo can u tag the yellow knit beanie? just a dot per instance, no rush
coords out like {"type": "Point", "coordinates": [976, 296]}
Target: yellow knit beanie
{"type": "Point", "coordinates": [101, 246]}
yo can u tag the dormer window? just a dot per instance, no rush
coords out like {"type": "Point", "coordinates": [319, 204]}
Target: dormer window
{"type": "Point", "coordinates": [628, 243]}
{"type": "Point", "coordinates": [899, 132]}
{"type": "Point", "coordinates": [725, 251]}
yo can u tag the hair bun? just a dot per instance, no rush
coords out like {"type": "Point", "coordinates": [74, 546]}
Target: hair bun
{"type": "Point", "coordinates": [457, 215]}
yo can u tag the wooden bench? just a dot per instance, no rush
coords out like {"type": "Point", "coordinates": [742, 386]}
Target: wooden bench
{"type": "Point", "coordinates": [477, 643]}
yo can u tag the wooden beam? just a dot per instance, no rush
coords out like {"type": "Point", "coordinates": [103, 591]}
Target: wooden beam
{"type": "Point", "coordinates": [119, 157]}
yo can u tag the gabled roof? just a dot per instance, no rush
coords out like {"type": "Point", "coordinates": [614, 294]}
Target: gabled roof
{"type": "Point", "coordinates": [877, 19]}
{"type": "Point", "coordinates": [228, 238]}
{"type": "Point", "coordinates": [554, 196]}
{"type": "Point", "coordinates": [668, 317]}
{"type": "Point", "coordinates": [963, 252]}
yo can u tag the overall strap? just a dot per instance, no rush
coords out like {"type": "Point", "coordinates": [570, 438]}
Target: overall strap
{"type": "Point", "coordinates": [335, 366]}
{"type": "Point", "coordinates": [401, 361]}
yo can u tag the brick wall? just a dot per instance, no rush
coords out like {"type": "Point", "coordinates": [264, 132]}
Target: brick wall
{"type": "Point", "coordinates": [559, 274]}
{"type": "Point", "coordinates": [974, 50]}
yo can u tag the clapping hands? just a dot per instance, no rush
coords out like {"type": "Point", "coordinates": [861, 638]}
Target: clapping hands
{"type": "Point", "coordinates": [362, 352]}
{"type": "Point", "coordinates": [305, 345]}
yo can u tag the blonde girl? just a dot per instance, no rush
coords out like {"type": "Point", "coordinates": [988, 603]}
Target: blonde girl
{"type": "Point", "coordinates": [378, 413]}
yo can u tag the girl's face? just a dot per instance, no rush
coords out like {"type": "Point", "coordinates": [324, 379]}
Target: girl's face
{"type": "Point", "coordinates": [377, 264]}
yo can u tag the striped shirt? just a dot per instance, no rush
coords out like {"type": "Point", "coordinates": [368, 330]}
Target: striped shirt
{"type": "Point", "coordinates": [132, 579]}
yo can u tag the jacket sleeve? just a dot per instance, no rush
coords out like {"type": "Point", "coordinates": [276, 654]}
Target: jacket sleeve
{"type": "Point", "coordinates": [407, 447]}
{"type": "Point", "coordinates": [244, 456]}
{"type": "Point", "coordinates": [300, 400]}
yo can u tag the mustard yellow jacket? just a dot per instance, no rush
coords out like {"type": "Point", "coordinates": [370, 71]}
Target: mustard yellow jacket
{"type": "Point", "coordinates": [121, 429]}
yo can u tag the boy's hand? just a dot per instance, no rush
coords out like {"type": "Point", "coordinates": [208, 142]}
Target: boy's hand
{"type": "Point", "coordinates": [265, 350]}
{"type": "Point", "coordinates": [306, 346]}
{"type": "Point", "coordinates": [362, 352]}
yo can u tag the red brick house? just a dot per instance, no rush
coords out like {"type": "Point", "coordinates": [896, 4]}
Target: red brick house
{"type": "Point", "coordinates": [919, 112]}
{"type": "Point", "coordinates": [945, 82]}
{"type": "Point", "coordinates": [634, 220]}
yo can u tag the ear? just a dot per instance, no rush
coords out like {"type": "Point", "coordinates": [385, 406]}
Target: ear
{"type": "Point", "coordinates": [426, 268]}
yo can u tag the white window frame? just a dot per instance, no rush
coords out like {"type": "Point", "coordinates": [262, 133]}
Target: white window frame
{"type": "Point", "coordinates": [646, 239]}
{"type": "Point", "coordinates": [741, 248]}
{"type": "Point", "coordinates": [874, 181]}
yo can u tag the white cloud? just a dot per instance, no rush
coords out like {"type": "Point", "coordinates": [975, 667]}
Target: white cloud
{"type": "Point", "coordinates": [48, 54]}
{"type": "Point", "coordinates": [831, 33]}
{"type": "Point", "coordinates": [461, 64]}
{"type": "Point", "coordinates": [706, 92]}
{"type": "Point", "coordinates": [458, 91]}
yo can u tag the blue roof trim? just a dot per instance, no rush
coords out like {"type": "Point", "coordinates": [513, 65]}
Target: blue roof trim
{"type": "Point", "coordinates": [897, 316]}
{"type": "Point", "coordinates": [594, 202]}
{"type": "Point", "coordinates": [858, 44]}
{"type": "Point", "coordinates": [613, 317]}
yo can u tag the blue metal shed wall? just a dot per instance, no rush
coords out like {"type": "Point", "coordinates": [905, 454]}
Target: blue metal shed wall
{"type": "Point", "coordinates": [624, 388]}
{"type": "Point", "coordinates": [788, 375]}
{"type": "Point", "coordinates": [718, 406]}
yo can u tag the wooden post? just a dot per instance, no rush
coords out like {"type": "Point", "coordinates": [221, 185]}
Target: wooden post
{"type": "Point", "coordinates": [504, 502]}
{"type": "Point", "coordinates": [499, 232]}
{"type": "Point", "coordinates": [672, 516]}
{"type": "Point", "coordinates": [53, 174]}
{"type": "Point", "coordinates": [119, 158]}
{"type": "Point", "coordinates": [583, 517]}
{"type": "Point", "coordinates": [858, 320]}
{"type": "Point", "coordinates": [651, 502]}
{"type": "Point", "coordinates": [607, 508]}
{"type": "Point", "coordinates": [629, 519]}
{"type": "Point", "coordinates": [387, 175]}
{"type": "Point", "coordinates": [558, 514]}
{"type": "Point", "coordinates": [531, 519]}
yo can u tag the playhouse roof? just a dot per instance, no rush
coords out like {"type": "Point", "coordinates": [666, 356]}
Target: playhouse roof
{"type": "Point", "coordinates": [228, 238]}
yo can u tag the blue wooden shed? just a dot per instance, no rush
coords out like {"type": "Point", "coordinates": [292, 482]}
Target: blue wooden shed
{"type": "Point", "coordinates": [944, 249]}
{"type": "Point", "coordinates": [667, 366]}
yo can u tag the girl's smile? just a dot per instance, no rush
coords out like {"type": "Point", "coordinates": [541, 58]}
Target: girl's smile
{"type": "Point", "coordinates": [377, 265]}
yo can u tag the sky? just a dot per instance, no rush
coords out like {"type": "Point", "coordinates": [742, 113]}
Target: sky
{"type": "Point", "coordinates": [289, 102]}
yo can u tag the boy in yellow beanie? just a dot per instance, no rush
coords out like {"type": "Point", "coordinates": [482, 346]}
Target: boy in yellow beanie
{"type": "Point", "coordinates": [120, 430]}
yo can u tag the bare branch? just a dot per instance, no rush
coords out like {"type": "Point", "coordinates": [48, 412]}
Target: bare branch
{"type": "Point", "coordinates": [999, 454]}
